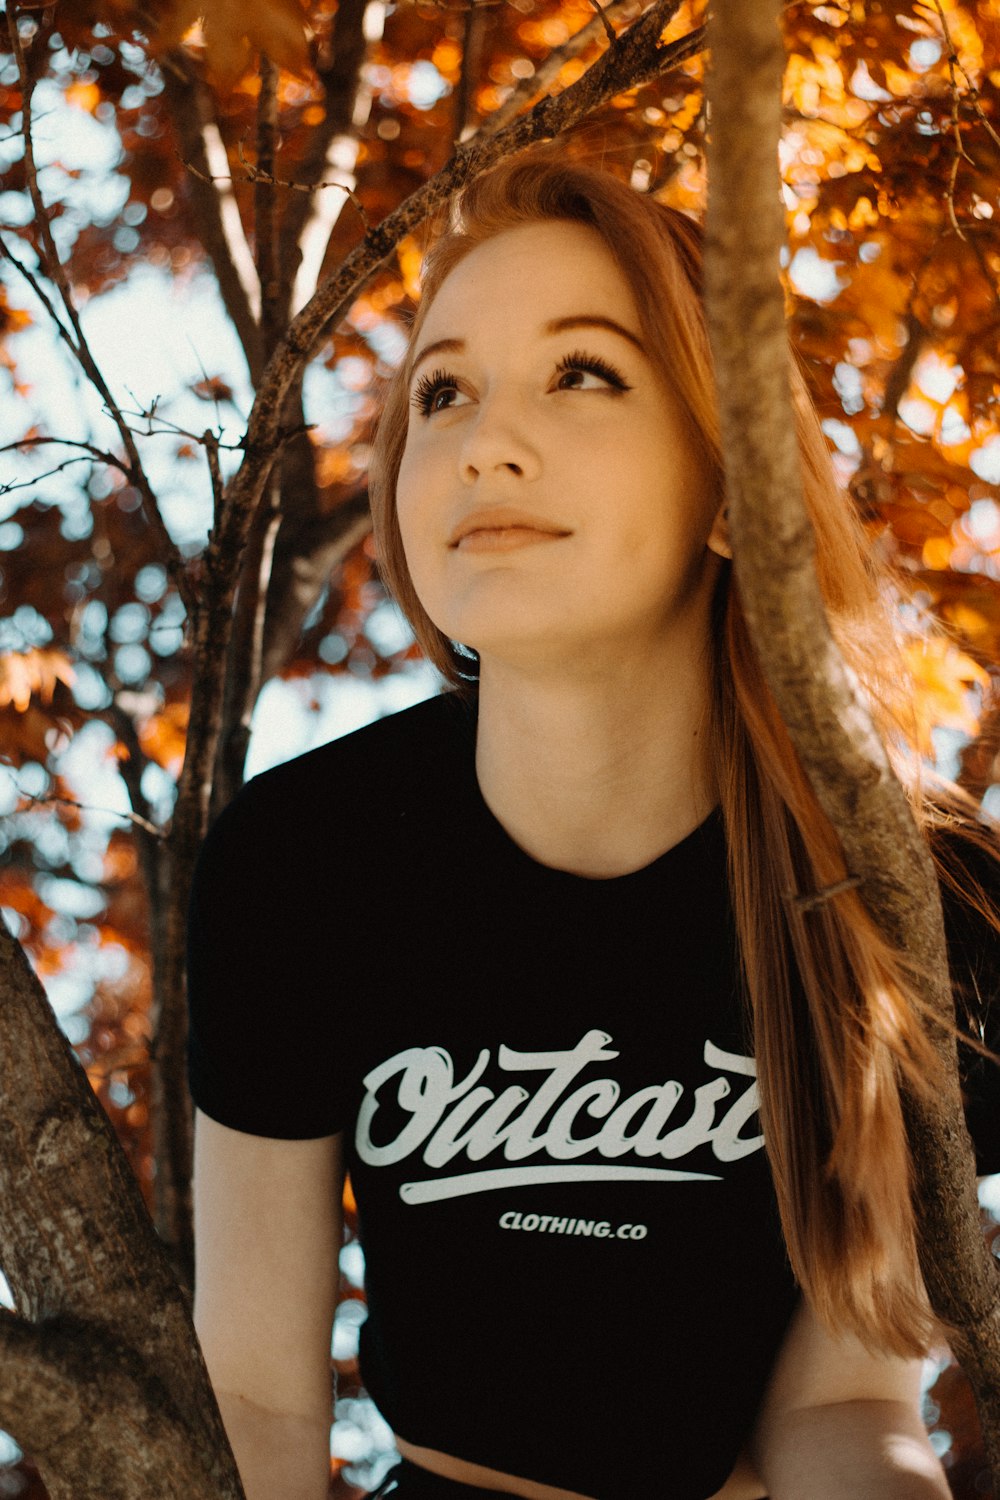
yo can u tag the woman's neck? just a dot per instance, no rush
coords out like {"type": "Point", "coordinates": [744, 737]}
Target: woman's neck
{"type": "Point", "coordinates": [597, 776]}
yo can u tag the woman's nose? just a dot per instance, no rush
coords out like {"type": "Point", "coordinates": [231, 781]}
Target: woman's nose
{"type": "Point", "coordinates": [497, 443]}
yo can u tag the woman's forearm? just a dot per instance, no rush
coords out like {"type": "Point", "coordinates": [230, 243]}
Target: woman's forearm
{"type": "Point", "coordinates": [852, 1450]}
{"type": "Point", "coordinates": [280, 1457]}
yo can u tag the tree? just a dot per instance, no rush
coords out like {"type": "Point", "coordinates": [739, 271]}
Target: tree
{"type": "Point", "coordinates": [258, 598]}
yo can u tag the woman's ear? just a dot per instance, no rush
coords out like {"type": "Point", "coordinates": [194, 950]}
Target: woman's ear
{"type": "Point", "coordinates": [718, 538]}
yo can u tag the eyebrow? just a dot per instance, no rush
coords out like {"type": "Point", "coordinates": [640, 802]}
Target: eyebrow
{"type": "Point", "coordinates": [555, 325]}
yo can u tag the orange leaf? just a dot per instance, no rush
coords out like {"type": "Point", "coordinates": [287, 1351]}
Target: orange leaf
{"type": "Point", "coordinates": [83, 96]}
{"type": "Point", "coordinates": [944, 675]}
{"type": "Point", "coordinates": [163, 737]}
{"type": "Point", "coordinates": [213, 388]}
{"type": "Point", "coordinates": [32, 674]}
{"type": "Point", "coordinates": [232, 31]}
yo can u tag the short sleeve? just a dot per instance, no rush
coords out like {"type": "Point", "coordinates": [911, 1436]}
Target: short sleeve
{"type": "Point", "coordinates": [262, 1054]}
{"type": "Point", "coordinates": [974, 961]}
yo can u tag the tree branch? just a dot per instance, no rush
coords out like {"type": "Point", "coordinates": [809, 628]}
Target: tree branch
{"type": "Point", "coordinates": [42, 295]}
{"type": "Point", "coordinates": [341, 81]}
{"type": "Point", "coordinates": [548, 70]}
{"type": "Point", "coordinates": [149, 837]}
{"type": "Point", "coordinates": [216, 211]}
{"type": "Point", "coordinates": [53, 798]}
{"type": "Point", "coordinates": [472, 52]}
{"type": "Point", "coordinates": [302, 570]}
{"type": "Point", "coordinates": [265, 223]}
{"type": "Point", "coordinates": [826, 716]}
{"type": "Point", "coordinates": [246, 644]}
{"type": "Point", "coordinates": [77, 1247]}
{"type": "Point", "coordinates": [36, 442]}
{"type": "Point", "coordinates": [59, 1380]}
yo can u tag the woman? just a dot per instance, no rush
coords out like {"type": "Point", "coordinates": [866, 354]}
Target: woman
{"type": "Point", "coordinates": [516, 957]}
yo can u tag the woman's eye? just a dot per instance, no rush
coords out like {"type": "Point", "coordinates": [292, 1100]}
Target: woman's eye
{"type": "Point", "coordinates": [437, 392]}
{"type": "Point", "coordinates": [588, 372]}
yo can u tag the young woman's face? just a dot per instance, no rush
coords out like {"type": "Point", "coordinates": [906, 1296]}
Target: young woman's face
{"type": "Point", "coordinates": [551, 500]}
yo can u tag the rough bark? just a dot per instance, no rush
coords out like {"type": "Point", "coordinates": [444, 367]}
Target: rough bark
{"type": "Point", "coordinates": [102, 1327]}
{"type": "Point", "coordinates": [773, 555]}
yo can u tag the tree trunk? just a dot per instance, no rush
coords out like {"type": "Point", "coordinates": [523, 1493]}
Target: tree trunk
{"type": "Point", "coordinates": [102, 1380]}
{"type": "Point", "coordinates": [773, 558]}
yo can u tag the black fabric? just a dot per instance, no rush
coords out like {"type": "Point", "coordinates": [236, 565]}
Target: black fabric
{"type": "Point", "coordinates": [974, 961]}
{"type": "Point", "coordinates": [574, 1266]}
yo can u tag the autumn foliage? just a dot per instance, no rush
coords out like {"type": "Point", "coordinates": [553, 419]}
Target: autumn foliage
{"type": "Point", "coordinates": [253, 144]}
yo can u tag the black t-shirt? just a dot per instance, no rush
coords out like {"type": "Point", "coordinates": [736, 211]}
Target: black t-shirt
{"type": "Point", "coordinates": [574, 1265]}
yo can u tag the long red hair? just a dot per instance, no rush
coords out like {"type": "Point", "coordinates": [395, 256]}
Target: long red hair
{"type": "Point", "coordinates": [835, 1016]}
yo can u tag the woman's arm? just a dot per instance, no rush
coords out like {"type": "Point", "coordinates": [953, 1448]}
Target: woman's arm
{"type": "Point", "coordinates": [268, 1228]}
{"type": "Point", "coordinates": [852, 1450]}
{"type": "Point", "coordinates": [838, 1423]}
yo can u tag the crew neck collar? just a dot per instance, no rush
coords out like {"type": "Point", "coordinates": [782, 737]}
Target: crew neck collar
{"type": "Point", "coordinates": [674, 864]}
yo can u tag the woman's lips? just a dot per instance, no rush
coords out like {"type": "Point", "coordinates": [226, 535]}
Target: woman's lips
{"type": "Point", "coordinates": [505, 538]}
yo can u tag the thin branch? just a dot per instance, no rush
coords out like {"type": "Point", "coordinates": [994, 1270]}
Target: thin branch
{"type": "Point", "coordinates": [472, 52]}
{"type": "Point", "coordinates": [609, 30]}
{"type": "Point", "coordinates": [57, 274]}
{"type": "Point", "coordinates": [173, 429]}
{"type": "Point", "coordinates": [246, 647]}
{"type": "Point", "coordinates": [348, 103]}
{"type": "Point", "coordinates": [548, 70]}
{"type": "Point", "coordinates": [264, 209]}
{"type": "Point", "coordinates": [255, 174]}
{"type": "Point", "coordinates": [151, 847]}
{"type": "Point", "coordinates": [954, 61]}
{"type": "Point", "coordinates": [211, 445]}
{"type": "Point", "coordinates": [29, 484]}
{"type": "Point", "coordinates": [314, 242]}
{"type": "Point", "coordinates": [302, 568]}
{"type": "Point", "coordinates": [216, 213]}
{"type": "Point", "coordinates": [37, 442]}
{"type": "Point", "coordinates": [41, 294]}
{"type": "Point", "coordinates": [113, 812]}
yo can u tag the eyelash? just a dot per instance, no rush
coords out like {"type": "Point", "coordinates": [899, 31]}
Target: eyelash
{"type": "Point", "coordinates": [428, 386]}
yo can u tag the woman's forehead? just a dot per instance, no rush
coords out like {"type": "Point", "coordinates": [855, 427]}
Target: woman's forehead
{"type": "Point", "coordinates": [532, 273]}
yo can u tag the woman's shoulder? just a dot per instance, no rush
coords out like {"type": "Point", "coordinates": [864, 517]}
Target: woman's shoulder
{"type": "Point", "coordinates": [389, 761]}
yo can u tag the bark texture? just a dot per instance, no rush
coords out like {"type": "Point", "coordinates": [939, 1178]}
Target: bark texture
{"type": "Point", "coordinates": [102, 1328]}
{"type": "Point", "coordinates": [773, 557]}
